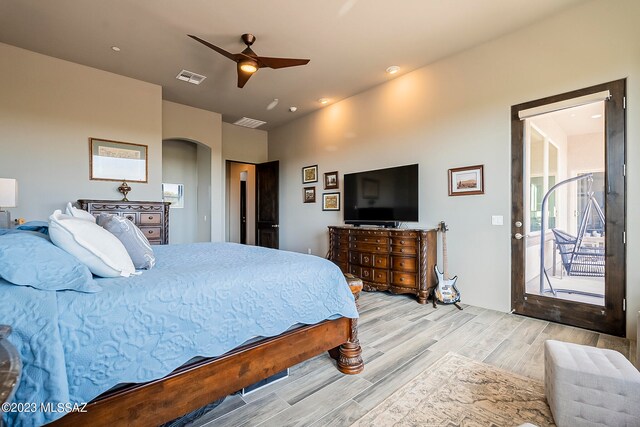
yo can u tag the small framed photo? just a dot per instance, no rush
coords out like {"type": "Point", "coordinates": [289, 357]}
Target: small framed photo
{"type": "Point", "coordinates": [466, 181]}
{"type": "Point", "coordinates": [309, 195]}
{"type": "Point", "coordinates": [331, 201]}
{"type": "Point", "coordinates": [117, 161]}
{"type": "Point", "coordinates": [310, 174]}
{"type": "Point", "coordinates": [331, 180]}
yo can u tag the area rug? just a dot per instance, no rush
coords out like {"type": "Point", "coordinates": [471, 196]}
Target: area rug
{"type": "Point", "coordinates": [457, 391]}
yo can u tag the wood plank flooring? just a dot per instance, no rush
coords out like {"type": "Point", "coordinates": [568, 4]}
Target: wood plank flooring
{"type": "Point", "coordinates": [400, 339]}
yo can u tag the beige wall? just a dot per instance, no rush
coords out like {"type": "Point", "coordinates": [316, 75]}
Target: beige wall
{"type": "Point", "coordinates": [180, 166]}
{"type": "Point", "coordinates": [456, 112]}
{"type": "Point", "coordinates": [184, 122]}
{"type": "Point", "coordinates": [242, 145]}
{"type": "Point", "coordinates": [48, 110]}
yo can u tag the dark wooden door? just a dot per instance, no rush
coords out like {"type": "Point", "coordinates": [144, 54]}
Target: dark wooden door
{"type": "Point", "coordinates": [243, 212]}
{"type": "Point", "coordinates": [267, 204]}
{"type": "Point", "coordinates": [608, 316]}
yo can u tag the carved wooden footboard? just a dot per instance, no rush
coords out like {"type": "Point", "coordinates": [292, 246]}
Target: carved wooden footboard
{"type": "Point", "coordinates": [197, 384]}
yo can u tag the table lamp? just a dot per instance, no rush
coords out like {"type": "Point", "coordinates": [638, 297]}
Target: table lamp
{"type": "Point", "coordinates": [8, 199]}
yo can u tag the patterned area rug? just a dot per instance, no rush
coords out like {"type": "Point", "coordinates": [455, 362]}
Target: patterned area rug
{"type": "Point", "coordinates": [457, 391]}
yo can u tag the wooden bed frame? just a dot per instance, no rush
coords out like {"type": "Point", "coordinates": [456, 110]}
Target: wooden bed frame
{"type": "Point", "coordinates": [197, 384]}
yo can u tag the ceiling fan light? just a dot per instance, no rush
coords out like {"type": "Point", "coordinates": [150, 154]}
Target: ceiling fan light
{"type": "Point", "coordinates": [249, 66]}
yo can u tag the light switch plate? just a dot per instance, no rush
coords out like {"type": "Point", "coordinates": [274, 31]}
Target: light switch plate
{"type": "Point", "coordinates": [497, 220]}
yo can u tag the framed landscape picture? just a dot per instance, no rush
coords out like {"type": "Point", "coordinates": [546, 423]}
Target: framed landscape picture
{"type": "Point", "coordinates": [310, 174]}
{"type": "Point", "coordinates": [466, 181]}
{"type": "Point", "coordinates": [309, 195]}
{"type": "Point", "coordinates": [117, 161]}
{"type": "Point", "coordinates": [331, 201]}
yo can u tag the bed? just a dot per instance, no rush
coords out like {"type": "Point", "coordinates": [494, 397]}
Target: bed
{"type": "Point", "coordinates": [246, 312]}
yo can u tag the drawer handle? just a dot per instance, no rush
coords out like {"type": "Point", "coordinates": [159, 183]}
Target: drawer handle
{"type": "Point", "coordinates": [150, 231]}
{"type": "Point", "coordinates": [378, 248]}
{"type": "Point", "coordinates": [150, 217]}
{"type": "Point", "coordinates": [377, 240]}
{"type": "Point", "coordinates": [402, 279]}
{"type": "Point", "coordinates": [402, 242]}
{"type": "Point", "coordinates": [366, 259]}
{"type": "Point", "coordinates": [402, 264]}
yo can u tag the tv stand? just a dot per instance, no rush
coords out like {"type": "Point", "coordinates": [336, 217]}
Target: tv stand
{"type": "Point", "coordinates": [398, 260]}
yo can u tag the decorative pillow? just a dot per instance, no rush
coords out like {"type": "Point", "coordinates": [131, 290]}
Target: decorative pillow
{"type": "Point", "coordinates": [39, 226]}
{"type": "Point", "coordinates": [30, 259]}
{"type": "Point", "coordinates": [94, 246]}
{"type": "Point", "coordinates": [134, 241]}
{"type": "Point", "coordinates": [79, 213]}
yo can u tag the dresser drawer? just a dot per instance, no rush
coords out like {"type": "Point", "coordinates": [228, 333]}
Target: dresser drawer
{"type": "Point", "coordinates": [370, 239]}
{"type": "Point", "coordinates": [131, 216]}
{"type": "Point", "coordinates": [150, 218]}
{"type": "Point", "coordinates": [401, 249]}
{"type": "Point", "coordinates": [369, 247]}
{"type": "Point", "coordinates": [340, 256]}
{"type": "Point", "coordinates": [404, 241]}
{"type": "Point", "coordinates": [405, 234]}
{"type": "Point", "coordinates": [354, 258]}
{"type": "Point", "coordinates": [380, 276]}
{"type": "Point", "coordinates": [340, 245]}
{"type": "Point", "coordinates": [369, 233]}
{"type": "Point", "coordinates": [380, 261]}
{"type": "Point", "coordinates": [151, 233]}
{"type": "Point", "coordinates": [404, 264]}
{"type": "Point", "coordinates": [403, 279]}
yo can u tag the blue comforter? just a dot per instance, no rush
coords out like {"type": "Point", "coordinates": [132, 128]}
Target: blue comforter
{"type": "Point", "coordinates": [200, 300]}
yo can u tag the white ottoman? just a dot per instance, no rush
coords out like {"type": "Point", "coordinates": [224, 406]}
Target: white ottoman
{"type": "Point", "coordinates": [588, 386]}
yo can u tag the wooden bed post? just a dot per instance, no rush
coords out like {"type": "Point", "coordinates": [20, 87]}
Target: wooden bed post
{"type": "Point", "coordinates": [349, 354]}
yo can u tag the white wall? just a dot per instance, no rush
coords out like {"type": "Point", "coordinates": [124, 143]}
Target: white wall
{"type": "Point", "coordinates": [189, 123]}
{"type": "Point", "coordinates": [49, 108]}
{"type": "Point", "coordinates": [456, 112]}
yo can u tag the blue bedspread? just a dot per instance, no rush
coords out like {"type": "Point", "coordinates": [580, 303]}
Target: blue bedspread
{"type": "Point", "coordinates": [200, 300]}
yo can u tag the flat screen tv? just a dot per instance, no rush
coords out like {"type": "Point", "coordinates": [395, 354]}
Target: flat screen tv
{"type": "Point", "coordinates": [381, 197]}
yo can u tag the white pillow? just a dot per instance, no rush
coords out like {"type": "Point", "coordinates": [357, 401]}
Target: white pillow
{"type": "Point", "coordinates": [95, 247]}
{"type": "Point", "coordinates": [79, 213]}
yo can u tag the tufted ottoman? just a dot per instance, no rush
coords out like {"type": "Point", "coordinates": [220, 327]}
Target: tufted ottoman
{"type": "Point", "coordinates": [588, 386]}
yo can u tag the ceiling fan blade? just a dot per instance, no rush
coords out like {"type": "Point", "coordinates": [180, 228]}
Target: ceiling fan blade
{"type": "Point", "coordinates": [243, 77]}
{"type": "Point", "coordinates": [231, 56]}
{"type": "Point", "coordinates": [265, 61]}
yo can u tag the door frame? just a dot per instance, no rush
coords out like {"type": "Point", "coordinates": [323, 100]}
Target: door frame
{"type": "Point", "coordinates": [226, 207]}
{"type": "Point", "coordinates": [610, 318]}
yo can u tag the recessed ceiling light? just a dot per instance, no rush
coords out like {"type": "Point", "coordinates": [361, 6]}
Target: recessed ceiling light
{"type": "Point", "coordinates": [323, 101]}
{"type": "Point", "coordinates": [115, 48]}
{"type": "Point", "coordinates": [596, 116]}
{"type": "Point", "coordinates": [293, 109]}
{"type": "Point", "coordinates": [393, 69]}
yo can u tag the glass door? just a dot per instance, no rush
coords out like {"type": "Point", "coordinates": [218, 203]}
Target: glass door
{"type": "Point", "coordinates": [567, 256]}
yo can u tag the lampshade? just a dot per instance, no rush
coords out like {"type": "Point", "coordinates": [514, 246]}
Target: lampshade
{"type": "Point", "coordinates": [8, 193]}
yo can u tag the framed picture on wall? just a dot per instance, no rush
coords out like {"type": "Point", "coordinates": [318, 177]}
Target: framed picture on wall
{"type": "Point", "coordinates": [331, 201]}
{"type": "Point", "coordinates": [466, 181]}
{"type": "Point", "coordinates": [117, 161]}
{"type": "Point", "coordinates": [331, 180]}
{"type": "Point", "coordinates": [310, 174]}
{"type": "Point", "coordinates": [309, 195]}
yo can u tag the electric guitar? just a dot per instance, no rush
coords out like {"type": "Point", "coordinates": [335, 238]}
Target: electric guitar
{"type": "Point", "coordinates": [446, 291]}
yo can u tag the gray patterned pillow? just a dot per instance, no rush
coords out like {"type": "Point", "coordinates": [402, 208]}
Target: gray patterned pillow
{"type": "Point", "coordinates": [132, 238]}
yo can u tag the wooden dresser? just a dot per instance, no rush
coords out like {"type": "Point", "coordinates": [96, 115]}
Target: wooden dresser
{"type": "Point", "coordinates": [398, 260]}
{"type": "Point", "coordinates": [151, 217]}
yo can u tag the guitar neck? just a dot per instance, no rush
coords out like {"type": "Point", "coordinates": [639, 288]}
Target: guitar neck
{"type": "Point", "coordinates": [444, 255]}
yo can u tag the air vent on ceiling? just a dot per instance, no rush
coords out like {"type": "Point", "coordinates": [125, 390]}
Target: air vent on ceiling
{"type": "Point", "coordinates": [190, 77]}
{"type": "Point", "coordinates": [249, 123]}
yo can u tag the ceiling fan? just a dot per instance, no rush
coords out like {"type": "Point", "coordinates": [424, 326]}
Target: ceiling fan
{"type": "Point", "coordinates": [247, 60]}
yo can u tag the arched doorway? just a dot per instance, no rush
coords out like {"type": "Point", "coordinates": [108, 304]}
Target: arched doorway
{"type": "Point", "coordinates": [186, 177]}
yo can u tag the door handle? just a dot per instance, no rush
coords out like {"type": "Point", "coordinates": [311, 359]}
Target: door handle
{"type": "Point", "coordinates": [275, 226]}
{"type": "Point", "coordinates": [518, 236]}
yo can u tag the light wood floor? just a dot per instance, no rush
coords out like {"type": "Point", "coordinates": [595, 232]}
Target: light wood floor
{"type": "Point", "coordinates": [400, 339]}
